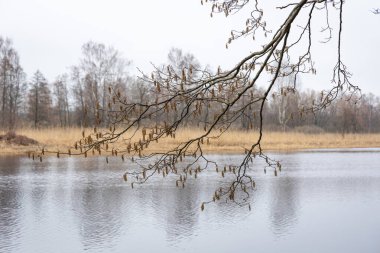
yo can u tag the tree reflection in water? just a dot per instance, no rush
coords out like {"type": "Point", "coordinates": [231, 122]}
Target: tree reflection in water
{"type": "Point", "coordinates": [10, 204]}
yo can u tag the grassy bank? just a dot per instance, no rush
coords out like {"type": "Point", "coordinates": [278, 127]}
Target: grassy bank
{"type": "Point", "coordinates": [232, 142]}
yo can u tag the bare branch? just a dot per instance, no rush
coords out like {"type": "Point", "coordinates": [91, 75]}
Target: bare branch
{"type": "Point", "coordinates": [216, 99]}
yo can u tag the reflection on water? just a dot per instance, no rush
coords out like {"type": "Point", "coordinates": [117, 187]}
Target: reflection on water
{"type": "Point", "coordinates": [97, 228]}
{"type": "Point", "coordinates": [10, 206]}
{"type": "Point", "coordinates": [321, 202]}
{"type": "Point", "coordinates": [283, 205]}
{"type": "Point", "coordinates": [180, 217]}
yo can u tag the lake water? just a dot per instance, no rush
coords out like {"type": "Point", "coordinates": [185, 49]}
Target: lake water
{"type": "Point", "coordinates": [323, 201]}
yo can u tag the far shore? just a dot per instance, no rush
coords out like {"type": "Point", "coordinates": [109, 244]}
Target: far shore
{"type": "Point", "coordinates": [234, 141]}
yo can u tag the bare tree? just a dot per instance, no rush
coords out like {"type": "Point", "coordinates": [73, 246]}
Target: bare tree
{"type": "Point", "coordinates": [286, 98]}
{"type": "Point", "coordinates": [79, 98]}
{"type": "Point", "coordinates": [39, 100]}
{"type": "Point", "coordinates": [224, 91]}
{"type": "Point", "coordinates": [100, 68]}
{"type": "Point", "coordinates": [61, 93]}
{"type": "Point", "coordinates": [179, 60]}
{"type": "Point", "coordinates": [12, 84]}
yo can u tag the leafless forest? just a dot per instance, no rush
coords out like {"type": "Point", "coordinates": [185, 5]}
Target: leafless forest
{"type": "Point", "coordinates": [82, 96]}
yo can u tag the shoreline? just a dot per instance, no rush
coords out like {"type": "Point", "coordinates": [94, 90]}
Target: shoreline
{"type": "Point", "coordinates": [268, 151]}
{"type": "Point", "coordinates": [233, 142]}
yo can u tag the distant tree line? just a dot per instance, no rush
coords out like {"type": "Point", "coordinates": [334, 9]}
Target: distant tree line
{"type": "Point", "coordinates": [86, 95]}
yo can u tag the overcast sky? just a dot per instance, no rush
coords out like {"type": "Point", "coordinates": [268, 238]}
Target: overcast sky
{"type": "Point", "coordinates": [48, 34]}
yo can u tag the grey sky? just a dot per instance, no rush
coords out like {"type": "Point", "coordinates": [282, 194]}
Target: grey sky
{"type": "Point", "coordinates": [49, 34]}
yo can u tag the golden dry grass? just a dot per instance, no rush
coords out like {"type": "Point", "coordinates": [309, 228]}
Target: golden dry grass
{"type": "Point", "coordinates": [233, 141]}
{"type": "Point", "coordinates": [52, 138]}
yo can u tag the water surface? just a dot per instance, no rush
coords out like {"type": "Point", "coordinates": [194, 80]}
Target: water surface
{"type": "Point", "coordinates": [325, 201]}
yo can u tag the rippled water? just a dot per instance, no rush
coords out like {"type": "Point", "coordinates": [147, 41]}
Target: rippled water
{"type": "Point", "coordinates": [325, 201]}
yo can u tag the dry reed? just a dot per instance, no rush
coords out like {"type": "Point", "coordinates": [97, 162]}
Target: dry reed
{"type": "Point", "coordinates": [234, 141]}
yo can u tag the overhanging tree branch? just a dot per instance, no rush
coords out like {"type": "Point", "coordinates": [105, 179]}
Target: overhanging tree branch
{"type": "Point", "coordinates": [218, 99]}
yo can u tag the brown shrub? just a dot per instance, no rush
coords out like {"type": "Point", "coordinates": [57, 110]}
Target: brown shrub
{"type": "Point", "coordinates": [12, 138]}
